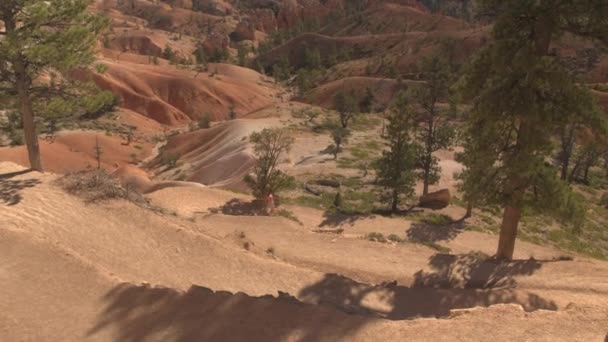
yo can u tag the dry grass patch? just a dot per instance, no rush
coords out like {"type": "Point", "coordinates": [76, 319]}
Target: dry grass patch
{"type": "Point", "coordinates": [98, 185]}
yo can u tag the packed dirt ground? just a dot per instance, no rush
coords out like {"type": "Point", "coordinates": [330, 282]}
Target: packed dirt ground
{"type": "Point", "coordinates": [116, 271]}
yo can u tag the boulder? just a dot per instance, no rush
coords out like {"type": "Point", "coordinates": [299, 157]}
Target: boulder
{"type": "Point", "coordinates": [435, 200]}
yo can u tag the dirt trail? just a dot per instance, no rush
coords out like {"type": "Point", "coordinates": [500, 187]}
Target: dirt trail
{"type": "Point", "coordinates": [73, 271]}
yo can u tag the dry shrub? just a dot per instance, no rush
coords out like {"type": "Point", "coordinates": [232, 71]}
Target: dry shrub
{"type": "Point", "coordinates": [98, 185]}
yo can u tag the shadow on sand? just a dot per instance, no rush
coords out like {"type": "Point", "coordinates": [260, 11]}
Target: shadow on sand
{"type": "Point", "coordinates": [239, 207]}
{"type": "Point", "coordinates": [334, 219]}
{"type": "Point", "coordinates": [330, 309]}
{"type": "Point", "coordinates": [10, 190]}
{"type": "Point", "coordinates": [143, 313]}
{"type": "Point", "coordinates": [456, 282]}
{"type": "Point", "coordinates": [425, 232]}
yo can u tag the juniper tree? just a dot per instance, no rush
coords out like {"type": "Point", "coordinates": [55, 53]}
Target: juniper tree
{"type": "Point", "coordinates": [53, 38]}
{"type": "Point", "coordinates": [434, 132]}
{"type": "Point", "coordinates": [396, 167]}
{"type": "Point", "coordinates": [521, 94]}
{"type": "Point", "coordinates": [269, 146]}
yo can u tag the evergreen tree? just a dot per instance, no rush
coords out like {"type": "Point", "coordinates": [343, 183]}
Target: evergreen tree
{"type": "Point", "coordinates": [312, 58]}
{"type": "Point", "coordinates": [242, 55]}
{"type": "Point", "coordinates": [434, 133]}
{"type": "Point", "coordinates": [205, 121]}
{"type": "Point", "coordinates": [367, 103]}
{"type": "Point", "coordinates": [47, 37]}
{"type": "Point", "coordinates": [168, 53]}
{"type": "Point", "coordinates": [232, 112]}
{"type": "Point", "coordinates": [521, 94]}
{"type": "Point", "coordinates": [304, 81]}
{"type": "Point", "coordinates": [200, 56]}
{"type": "Point", "coordinates": [396, 167]}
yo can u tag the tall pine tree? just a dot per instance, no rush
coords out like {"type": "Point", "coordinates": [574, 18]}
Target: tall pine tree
{"type": "Point", "coordinates": [522, 94]}
{"type": "Point", "coordinates": [396, 168]}
{"type": "Point", "coordinates": [46, 37]}
{"type": "Point", "coordinates": [434, 132]}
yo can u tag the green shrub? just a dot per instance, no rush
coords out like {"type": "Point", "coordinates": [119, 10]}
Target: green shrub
{"type": "Point", "coordinates": [376, 237]}
{"type": "Point", "coordinates": [394, 238]}
{"type": "Point", "coordinates": [170, 160]}
{"type": "Point", "coordinates": [436, 219]}
{"type": "Point", "coordinates": [205, 121]}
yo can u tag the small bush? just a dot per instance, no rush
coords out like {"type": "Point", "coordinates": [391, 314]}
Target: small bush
{"type": "Point", "coordinates": [205, 121]}
{"type": "Point", "coordinates": [376, 237]}
{"type": "Point", "coordinates": [437, 220]}
{"type": "Point", "coordinates": [170, 160]}
{"type": "Point", "coordinates": [394, 238]}
{"type": "Point", "coordinates": [97, 185]}
{"type": "Point", "coordinates": [270, 251]}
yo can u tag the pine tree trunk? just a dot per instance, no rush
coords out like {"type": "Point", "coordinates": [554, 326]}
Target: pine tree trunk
{"type": "Point", "coordinates": [27, 115]}
{"type": "Point", "coordinates": [29, 127]}
{"type": "Point", "coordinates": [469, 212]}
{"type": "Point", "coordinates": [586, 173]}
{"type": "Point", "coordinates": [565, 166]}
{"type": "Point", "coordinates": [22, 83]}
{"type": "Point", "coordinates": [395, 201]}
{"type": "Point", "coordinates": [508, 232]}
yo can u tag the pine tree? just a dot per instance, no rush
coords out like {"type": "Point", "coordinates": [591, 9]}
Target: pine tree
{"type": "Point", "coordinates": [521, 94]}
{"type": "Point", "coordinates": [201, 57]}
{"type": "Point", "coordinates": [232, 112]}
{"type": "Point", "coordinates": [367, 103]}
{"type": "Point", "coordinates": [434, 133]}
{"type": "Point", "coordinates": [242, 55]}
{"type": "Point", "coordinates": [168, 53]}
{"type": "Point", "coordinates": [396, 167]}
{"type": "Point", "coordinates": [46, 37]}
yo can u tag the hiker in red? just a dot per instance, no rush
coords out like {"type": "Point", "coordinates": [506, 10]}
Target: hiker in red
{"type": "Point", "coordinates": [269, 204]}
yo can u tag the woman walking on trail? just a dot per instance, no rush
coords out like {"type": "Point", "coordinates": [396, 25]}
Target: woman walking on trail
{"type": "Point", "coordinates": [269, 204]}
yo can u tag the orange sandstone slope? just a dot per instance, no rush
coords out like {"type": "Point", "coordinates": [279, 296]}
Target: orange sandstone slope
{"type": "Point", "coordinates": [175, 96]}
{"type": "Point", "coordinates": [75, 150]}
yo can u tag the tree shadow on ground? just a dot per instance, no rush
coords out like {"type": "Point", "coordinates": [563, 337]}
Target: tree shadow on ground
{"type": "Point", "coordinates": [426, 232]}
{"type": "Point", "coordinates": [335, 219]}
{"type": "Point", "coordinates": [10, 190]}
{"type": "Point", "coordinates": [143, 313]}
{"type": "Point", "coordinates": [474, 270]}
{"type": "Point", "coordinates": [458, 282]}
{"type": "Point", "coordinates": [239, 207]}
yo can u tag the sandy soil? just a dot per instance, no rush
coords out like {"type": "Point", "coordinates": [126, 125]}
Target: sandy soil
{"type": "Point", "coordinates": [75, 151]}
{"type": "Point", "coordinates": [114, 272]}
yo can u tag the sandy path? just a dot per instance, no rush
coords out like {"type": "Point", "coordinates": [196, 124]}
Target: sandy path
{"type": "Point", "coordinates": [62, 264]}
